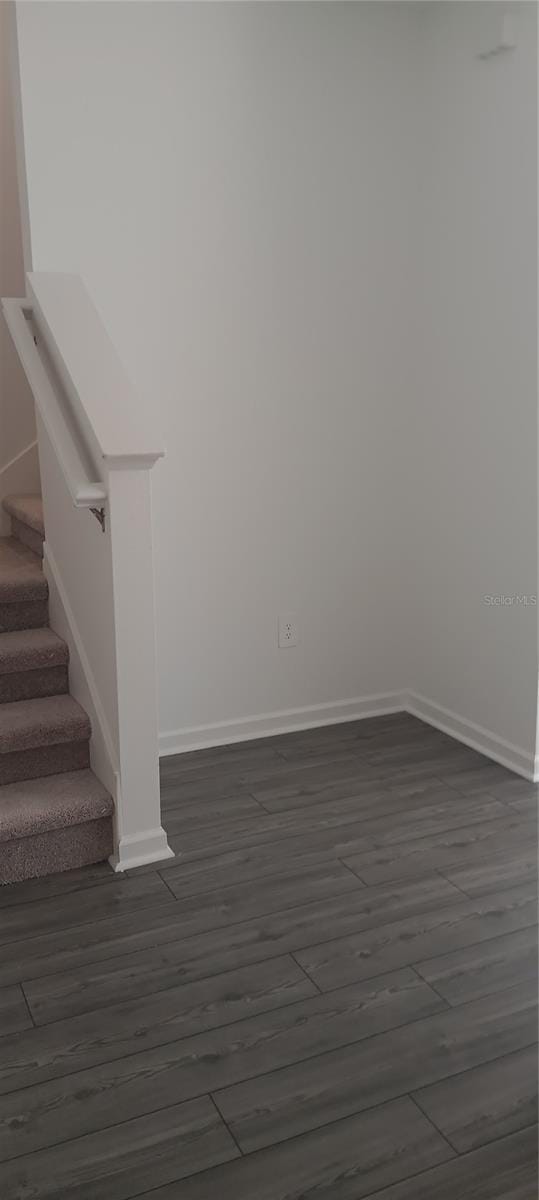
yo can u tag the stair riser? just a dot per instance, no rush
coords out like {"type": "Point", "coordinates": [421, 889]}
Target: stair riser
{"type": "Point", "coordinates": [29, 537]}
{"type": "Point", "coordinates": [57, 850]}
{"type": "Point", "coordinates": [26, 614]}
{"type": "Point", "coordinates": [45, 760]}
{"type": "Point", "coordinates": [32, 685]}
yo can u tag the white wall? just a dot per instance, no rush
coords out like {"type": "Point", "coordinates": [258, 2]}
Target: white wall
{"type": "Point", "coordinates": [473, 479]}
{"type": "Point", "coordinates": [310, 229]}
{"type": "Point", "coordinates": [17, 423]}
{"type": "Point", "coordinates": [237, 196]}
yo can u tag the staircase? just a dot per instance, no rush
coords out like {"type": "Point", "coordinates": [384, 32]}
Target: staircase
{"type": "Point", "coordinates": [54, 814]}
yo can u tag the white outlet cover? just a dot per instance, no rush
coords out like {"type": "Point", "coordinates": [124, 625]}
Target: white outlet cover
{"type": "Point", "coordinates": [288, 630]}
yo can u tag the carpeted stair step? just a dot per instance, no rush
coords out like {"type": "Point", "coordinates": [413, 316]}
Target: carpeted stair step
{"type": "Point", "coordinates": [27, 525]}
{"type": "Point", "coordinates": [53, 824]}
{"type": "Point", "coordinates": [23, 588]}
{"type": "Point", "coordinates": [42, 737]}
{"type": "Point", "coordinates": [33, 663]}
{"type": "Point", "coordinates": [54, 814]}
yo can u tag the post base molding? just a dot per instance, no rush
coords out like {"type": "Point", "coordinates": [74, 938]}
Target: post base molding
{"type": "Point", "coordinates": [137, 850]}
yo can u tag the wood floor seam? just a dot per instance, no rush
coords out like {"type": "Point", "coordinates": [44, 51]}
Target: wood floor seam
{"type": "Point", "coordinates": [429, 1118]}
{"type": "Point", "coordinates": [307, 976]}
{"type": "Point", "coordinates": [441, 998]}
{"type": "Point", "coordinates": [29, 1010]}
{"type": "Point", "coordinates": [357, 875]}
{"type": "Point", "coordinates": [162, 875]}
{"type": "Point", "coordinates": [221, 1118]}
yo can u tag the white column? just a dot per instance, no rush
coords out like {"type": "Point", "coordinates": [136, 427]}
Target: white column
{"type": "Point", "coordinates": [140, 837]}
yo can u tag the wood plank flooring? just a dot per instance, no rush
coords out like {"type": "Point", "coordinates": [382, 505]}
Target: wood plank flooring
{"type": "Point", "coordinates": [331, 993]}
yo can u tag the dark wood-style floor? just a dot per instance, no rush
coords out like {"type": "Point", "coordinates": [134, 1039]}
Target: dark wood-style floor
{"type": "Point", "coordinates": [331, 994]}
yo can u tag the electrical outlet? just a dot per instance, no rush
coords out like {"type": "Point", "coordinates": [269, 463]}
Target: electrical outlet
{"type": "Point", "coordinates": [288, 630]}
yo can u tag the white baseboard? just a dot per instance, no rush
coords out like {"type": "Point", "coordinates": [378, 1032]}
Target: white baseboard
{"type": "Point", "coordinates": [224, 733]}
{"type": "Point", "coordinates": [514, 757]}
{"type": "Point", "coordinates": [141, 848]}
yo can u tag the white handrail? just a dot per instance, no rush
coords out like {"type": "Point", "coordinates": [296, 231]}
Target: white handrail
{"type": "Point", "coordinates": [85, 492]}
{"type": "Point", "coordinates": [118, 425]}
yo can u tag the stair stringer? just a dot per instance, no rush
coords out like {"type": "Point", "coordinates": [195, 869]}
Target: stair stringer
{"type": "Point", "coordinates": [82, 683]}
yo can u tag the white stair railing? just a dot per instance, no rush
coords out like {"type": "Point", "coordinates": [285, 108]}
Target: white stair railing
{"type": "Point", "coordinates": [33, 355]}
{"type": "Point", "coordinates": [97, 447]}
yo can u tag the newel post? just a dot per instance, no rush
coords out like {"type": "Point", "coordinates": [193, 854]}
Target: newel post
{"type": "Point", "coordinates": [108, 448]}
{"type": "Point", "coordinates": [140, 837]}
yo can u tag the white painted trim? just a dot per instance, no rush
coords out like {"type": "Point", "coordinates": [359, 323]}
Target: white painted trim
{"type": "Point", "coordinates": [22, 453]}
{"type": "Point", "coordinates": [484, 740]}
{"type": "Point", "coordinates": [130, 532]}
{"type": "Point", "coordinates": [224, 733]}
{"type": "Point", "coordinates": [286, 721]}
{"type": "Point", "coordinates": [84, 491]}
{"type": "Point", "coordinates": [20, 152]}
{"type": "Point", "coordinates": [50, 568]}
{"type": "Point", "coordinates": [132, 462]}
{"type": "Point", "coordinates": [139, 849]}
